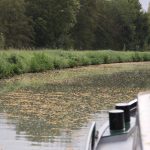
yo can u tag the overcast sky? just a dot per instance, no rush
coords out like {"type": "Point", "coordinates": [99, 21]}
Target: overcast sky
{"type": "Point", "coordinates": [145, 3]}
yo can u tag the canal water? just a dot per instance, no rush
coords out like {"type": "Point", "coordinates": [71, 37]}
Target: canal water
{"type": "Point", "coordinates": [12, 139]}
{"type": "Point", "coordinates": [54, 110]}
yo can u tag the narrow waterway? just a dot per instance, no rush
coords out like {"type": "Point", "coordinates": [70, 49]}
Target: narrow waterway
{"type": "Point", "coordinates": [13, 138]}
{"type": "Point", "coordinates": [54, 110]}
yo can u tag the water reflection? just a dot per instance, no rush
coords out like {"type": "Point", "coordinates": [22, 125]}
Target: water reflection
{"type": "Point", "coordinates": [16, 135]}
{"type": "Point", "coordinates": [57, 116]}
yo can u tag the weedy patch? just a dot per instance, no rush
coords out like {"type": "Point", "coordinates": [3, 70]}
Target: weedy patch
{"type": "Point", "coordinates": [47, 102]}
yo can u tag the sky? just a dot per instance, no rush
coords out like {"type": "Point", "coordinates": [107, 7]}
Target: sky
{"type": "Point", "coordinates": [145, 4]}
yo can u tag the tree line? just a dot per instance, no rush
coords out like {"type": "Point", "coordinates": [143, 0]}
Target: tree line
{"type": "Point", "coordinates": [76, 24]}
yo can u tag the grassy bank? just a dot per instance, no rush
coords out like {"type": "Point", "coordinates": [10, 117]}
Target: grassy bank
{"type": "Point", "coordinates": [18, 62]}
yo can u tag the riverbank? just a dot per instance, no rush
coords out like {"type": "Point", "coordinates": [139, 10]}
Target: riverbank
{"type": "Point", "coordinates": [19, 62]}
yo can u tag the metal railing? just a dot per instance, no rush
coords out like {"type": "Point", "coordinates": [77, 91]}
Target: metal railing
{"type": "Point", "coordinates": [91, 137]}
{"type": "Point", "coordinates": [133, 105]}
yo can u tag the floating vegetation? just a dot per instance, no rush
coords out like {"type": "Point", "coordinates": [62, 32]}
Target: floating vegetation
{"type": "Point", "coordinates": [50, 101]}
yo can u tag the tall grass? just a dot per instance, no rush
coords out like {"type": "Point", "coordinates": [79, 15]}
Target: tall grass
{"type": "Point", "coordinates": [18, 62]}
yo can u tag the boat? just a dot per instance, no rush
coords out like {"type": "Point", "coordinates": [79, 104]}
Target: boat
{"type": "Point", "coordinates": [128, 127]}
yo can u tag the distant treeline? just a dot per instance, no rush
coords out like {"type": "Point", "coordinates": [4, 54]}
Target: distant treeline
{"type": "Point", "coordinates": [76, 24]}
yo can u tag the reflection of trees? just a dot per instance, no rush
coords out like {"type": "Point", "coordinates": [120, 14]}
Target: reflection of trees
{"type": "Point", "coordinates": [33, 128]}
{"type": "Point", "coordinates": [43, 129]}
{"type": "Point", "coordinates": [36, 130]}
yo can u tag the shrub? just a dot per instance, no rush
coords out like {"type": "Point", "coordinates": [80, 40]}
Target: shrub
{"type": "Point", "coordinates": [137, 57]}
{"type": "Point", "coordinates": [17, 62]}
{"type": "Point", "coordinates": [6, 69]}
{"type": "Point", "coordinates": [40, 62]}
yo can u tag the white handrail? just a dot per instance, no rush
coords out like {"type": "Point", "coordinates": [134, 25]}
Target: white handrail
{"type": "Point", "coordinates": [91, 137]}
{"type": "Point", "coordinates": [133, 104]}
{"type": "Point", "coordinates": [101, 131]}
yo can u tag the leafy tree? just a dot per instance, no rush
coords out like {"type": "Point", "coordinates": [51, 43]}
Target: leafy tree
{"type": "Point", "coordinates": [14, 25]}
{"type": "Point", "coordinates": [107, 29]}
{"type": "Point", "coordinates": [53, 20]}
{"type": "Point", "coordinates": [142, 35]}
{"type": "Point", "coordinates": [121, 25]}
{"type": "Point", "coordinates": [147, 35]}
{"type": "Point", "coordinates": [84, 30]}
{"type": "Point", "coordinates": [2, 41]}
{"type": "Point", "coordinates": [79, 24]}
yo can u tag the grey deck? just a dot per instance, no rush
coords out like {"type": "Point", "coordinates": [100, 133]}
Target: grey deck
{"type": "Point", "coordinates": [118, 140]}
{"type": "Point", "coordinates": [123, 145]}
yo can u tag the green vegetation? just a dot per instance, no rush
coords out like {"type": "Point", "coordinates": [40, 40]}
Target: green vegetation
{"type": "Point", "coordinates": [77, 24]}
{"type": "Point", "coordinates": [18, 62]}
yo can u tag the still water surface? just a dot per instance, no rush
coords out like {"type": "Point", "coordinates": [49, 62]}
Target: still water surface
{"type": "Point", "coordinates": [11, 139]}
{"type": "Point", "coordinates": [54, 110]}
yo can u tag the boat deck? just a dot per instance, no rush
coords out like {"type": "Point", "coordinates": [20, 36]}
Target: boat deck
{"type": "Point", "coordinates": [123, 145]}
{"type": "Point", "coordinates": [135, 136]}
{"type": "Point", "coordinates": [123, 139]}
